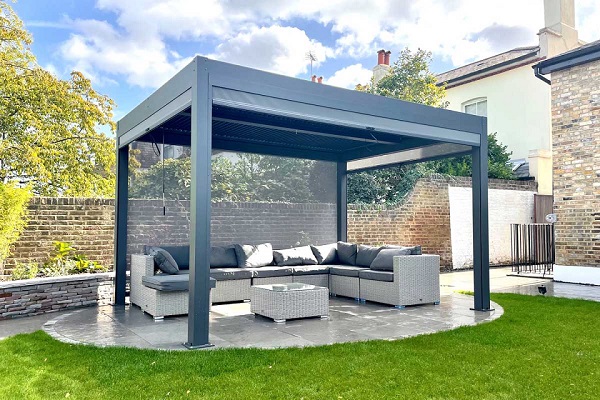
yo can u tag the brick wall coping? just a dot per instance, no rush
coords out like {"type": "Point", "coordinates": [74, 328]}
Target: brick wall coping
{"type": "Point", "coordinates": [56, 279]}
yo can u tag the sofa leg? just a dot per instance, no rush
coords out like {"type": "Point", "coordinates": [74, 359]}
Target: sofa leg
{"type": "Point", "coordinates": [333, 294]}
{"type": "Point", "coordinates": [400, 307]}
{"type": "Point", "coordinates": [436, 303]}
{"type": "Point", "coordinates": [279, 321]}
{"type": "Point", "coordinates": [156, 319]}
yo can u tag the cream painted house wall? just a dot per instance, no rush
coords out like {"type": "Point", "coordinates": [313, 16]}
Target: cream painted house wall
{"type": "Point", "coordinates": [518, 109]}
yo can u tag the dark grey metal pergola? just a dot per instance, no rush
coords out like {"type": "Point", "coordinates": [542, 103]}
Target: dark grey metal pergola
{"type": "Point", "coordinates": [214, 105]}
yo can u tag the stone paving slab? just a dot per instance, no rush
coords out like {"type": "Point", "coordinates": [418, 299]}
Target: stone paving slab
{"type": "Point", "coordinates": [233, 325]}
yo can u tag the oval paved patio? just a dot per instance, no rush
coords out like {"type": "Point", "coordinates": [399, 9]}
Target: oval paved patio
{"type": "Point", "coordinates": [232, 325]}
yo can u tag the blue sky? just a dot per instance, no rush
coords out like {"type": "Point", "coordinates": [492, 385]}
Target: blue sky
{"type": "Point", "coordinates": [130, 47]}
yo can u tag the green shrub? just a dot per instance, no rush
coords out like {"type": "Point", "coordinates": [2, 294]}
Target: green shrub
{"type": "Point", "coordinates": [13, 208]}
{"type": "Point", "coordinates": [63, 261]}
{"type": "Point", "coordinates": [24, 271]}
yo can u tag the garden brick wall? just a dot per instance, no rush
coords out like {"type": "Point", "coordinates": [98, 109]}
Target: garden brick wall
{"type": "Point", "coordinates": [576, 162]}
{"type": "Point", "coordinates": [43, 295]}
{"type": "Point", "coordinates": [423, 219]}
{"type": "Point", "coordinates": [87, 224]}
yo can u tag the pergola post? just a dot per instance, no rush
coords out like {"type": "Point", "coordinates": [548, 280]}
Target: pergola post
{"type": "Point", "coordinates": [120, 261]}
{"type": "Point", "coordinates": [481, 256]}
{"type": "Point", "coordinates": [342, 201]}
{"type": "Point", "coordinates": [201, 149]}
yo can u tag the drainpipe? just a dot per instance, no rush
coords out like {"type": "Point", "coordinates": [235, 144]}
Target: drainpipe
{"type": "Point", "coordinates": [536, 71]}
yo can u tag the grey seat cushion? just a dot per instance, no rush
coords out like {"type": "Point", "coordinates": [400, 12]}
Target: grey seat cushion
{"type": "Point", "coordinates": [346, 253]}
{"type": "Point", "coordinates": [269, 272]}
{"type": "Point", "coordinates": [385, 259]}
{"type": "Point", "coordinates": [383, 276]}
{"type": "Point", "coordinates": [295, 256]}
{"type": "Point", "coordinates": [230, 274]}
{"type": "Point", "coordinates": [325, 254]}
{"type": "Point", "coordinates": [181, 254]}
{"type": "Point", "coordinates": [345, 270]}
{"type": "Point", "coordinates": [166, 282]}
{"type": "Point", "coordinates": [251, 256]}
{"type": "Point", "coordinates": [311, 270]}
{"type": "Point", "coordinates": [366, 255]}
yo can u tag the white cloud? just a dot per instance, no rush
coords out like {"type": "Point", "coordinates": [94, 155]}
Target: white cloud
{"type": "Point", "coordinates": [259, 34]}
{"type": "Point", "coordinates": [98, 50]}
{"type": "Point", "coordinates": [275, 48]}
{"type": "Point", "coordinates": [350, 76]}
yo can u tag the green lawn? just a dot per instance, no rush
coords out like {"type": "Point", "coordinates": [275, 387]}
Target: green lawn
{"type": "Point", "coordinates": [542, 348]}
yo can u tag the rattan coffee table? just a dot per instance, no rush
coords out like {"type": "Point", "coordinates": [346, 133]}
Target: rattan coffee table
{"type": "Point", "coordinates": [281, 302]}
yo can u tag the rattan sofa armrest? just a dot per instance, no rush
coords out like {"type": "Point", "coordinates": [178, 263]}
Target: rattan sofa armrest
{"type": "Point", "coordinates": [422, 264]}
{"type": "Point", "coordinates": [142, 265]}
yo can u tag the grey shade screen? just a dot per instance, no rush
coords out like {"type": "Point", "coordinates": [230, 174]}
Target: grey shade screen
{"type": "Point", "coordinates": [255, 198]}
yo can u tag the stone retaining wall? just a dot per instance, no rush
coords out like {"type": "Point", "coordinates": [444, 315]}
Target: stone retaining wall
{"type": "Point", "coordinates": [42, 295]}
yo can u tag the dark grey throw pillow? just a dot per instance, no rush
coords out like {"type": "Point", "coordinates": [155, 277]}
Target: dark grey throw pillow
{"type": "Point", "coordinates": [366, 255]}
{"type": "Point", "coordinates": [414, 250]}
{"type": "Point", "coordinates": [385, 259]}
{"type": "Point", "coordinates": [325, 254]}
{"type": "Point", "coordinates": [295, 256]}
{"type": "Point", "coordinates": [223, 257]}
{"type": "Point", "coordinates": [249, 256]}
{"type": "Point", "coordinates": [347, 253]}
{"type": "Point", "coordinates": [163, 260]}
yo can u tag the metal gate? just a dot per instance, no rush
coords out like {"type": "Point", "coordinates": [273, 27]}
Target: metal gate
{"type": "Point", "coordinates": [532, 248]}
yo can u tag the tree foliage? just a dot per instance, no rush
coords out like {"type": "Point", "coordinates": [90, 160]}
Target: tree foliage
{"type": "Point", "coordinates": [249, 177]}
{"type": "Point", "coordinates": [48, 126]}
{"type": "Point", "coordinates": [498, 167]}
{"type": "Point", "coordinates": [13, 207]}
{"type": "Point", "coordinates": [410, 79]}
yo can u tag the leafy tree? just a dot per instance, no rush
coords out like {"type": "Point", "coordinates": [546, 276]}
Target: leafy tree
{"type": "Point", "coordinates": [410, 79]}
{"type": "Point", "coordinates": [498, 167]}
{"type": "Point", "coordinates": [13, 207]}
{"type": "Point", "coordinates": [48, 126]}
{"type": "Point", "coordinates": [250, 177]}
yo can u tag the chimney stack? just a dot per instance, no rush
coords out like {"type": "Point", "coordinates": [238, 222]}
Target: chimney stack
{"type": "Point", "coordinates": [383, 65]}
{"type": "Point", "coordinates": [559, 34]}
{"type": "Point", "coordinates": [320, 79]}
{"type": "Point", "coordinates": [381, 57]}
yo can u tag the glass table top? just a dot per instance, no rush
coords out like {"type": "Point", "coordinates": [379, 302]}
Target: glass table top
{"type": "Point", "coordinates": [285, 287]}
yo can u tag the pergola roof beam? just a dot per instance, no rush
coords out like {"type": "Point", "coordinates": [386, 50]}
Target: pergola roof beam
{"type": "Point", "coordinates": [435, 151]}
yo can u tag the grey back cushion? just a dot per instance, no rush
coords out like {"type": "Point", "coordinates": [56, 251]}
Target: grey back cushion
{"type": "Point", "coordinates": [295, 256]}
{"type": "Point", "coordinates": [249, 256]}
{"type": "Point", "coordinates": [366, 255]}
{"type": "Point", "coordinates": [325, 254]}
{"type": "Point", "coordinates": [163, 260]}
{"type": "Point", "coordinates": [223, 257]}
{"type": "Point", "coordinates": [181, 254]}
{"type": "Point", "coordinates": [414, 250]}
{"type": "Point", "coordinates": [385, 259]}
{"type": "Point", "coordinates": [347, 253]}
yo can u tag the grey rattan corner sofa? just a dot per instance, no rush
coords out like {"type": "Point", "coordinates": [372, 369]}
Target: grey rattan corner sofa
{"type": "Point", "coordinates": [413, 279]}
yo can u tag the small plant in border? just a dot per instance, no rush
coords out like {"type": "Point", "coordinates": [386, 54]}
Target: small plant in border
{"type": "Point", "coordinates": [62, 261]}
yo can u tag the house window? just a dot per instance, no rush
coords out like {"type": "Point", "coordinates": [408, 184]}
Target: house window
{"type": "Point", "coordinates": [476, 107]}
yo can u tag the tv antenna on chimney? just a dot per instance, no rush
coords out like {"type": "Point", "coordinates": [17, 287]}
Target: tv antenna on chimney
{"type": "Point", "coordinates": [310, 55]}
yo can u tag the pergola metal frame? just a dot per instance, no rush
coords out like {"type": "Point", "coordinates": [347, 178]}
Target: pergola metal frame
{"type": "Point", "coordinates": [214, 105]}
